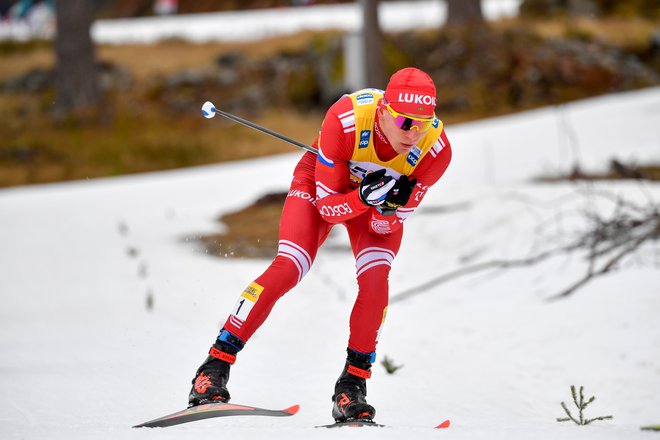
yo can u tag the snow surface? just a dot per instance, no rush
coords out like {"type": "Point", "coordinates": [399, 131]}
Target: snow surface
{"type": "Point", "coordinates": [81, 356]}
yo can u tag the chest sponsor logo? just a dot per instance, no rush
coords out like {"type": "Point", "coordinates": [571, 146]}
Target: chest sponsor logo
{"type": "Point", "coordinates": [358, 171]}
{"type": "Point", "coordinates": [364, 99]}
{"type": "Point", "coordinates": [365, 137]}
{"type": "Point", "coordinates": [413, 156]}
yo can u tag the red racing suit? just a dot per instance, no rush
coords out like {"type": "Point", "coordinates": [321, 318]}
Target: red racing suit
{"type": "Point", "coordinates": [324, 192]}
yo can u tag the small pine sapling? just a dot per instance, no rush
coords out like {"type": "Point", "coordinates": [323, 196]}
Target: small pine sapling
{"type": "Point", "coordinates": [389, 366]}
{"type": "Point", "coordinates": [581, 404]}
{"type": "Point", "coordinates": [651, 428]}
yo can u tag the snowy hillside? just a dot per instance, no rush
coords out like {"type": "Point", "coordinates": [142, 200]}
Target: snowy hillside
{"type": "Point", "coordinates": [82, 356]}
{"type": "Point", "coordinates": [252, 25]}
{"type": "Point", "coordinates": [265, 23]}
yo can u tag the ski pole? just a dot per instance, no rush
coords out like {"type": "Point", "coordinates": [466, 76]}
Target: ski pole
{"type": "Point", "coordinates": [209, 110]}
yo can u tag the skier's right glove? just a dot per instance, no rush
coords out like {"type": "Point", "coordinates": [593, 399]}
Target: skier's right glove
{"type": "Point", "coordinates": [374, 187]}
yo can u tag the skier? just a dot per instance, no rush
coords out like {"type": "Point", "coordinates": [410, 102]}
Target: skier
{"type": "Point", "coordinates": [378, 154]}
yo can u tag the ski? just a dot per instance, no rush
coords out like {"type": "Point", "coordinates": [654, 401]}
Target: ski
{"type": "Point", "coordinates": [211, 410]}
{"type": "Point", "coordinates": [353, 424]}
{"type": "Point", "coordinates": [360, 423]}
{"type": "Point", "coordinates": [443, 425]}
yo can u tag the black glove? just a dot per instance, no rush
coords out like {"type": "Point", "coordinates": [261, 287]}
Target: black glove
{"type": "Point", "coordinates": [398, 196]}
{"type": "Point", "coordinates": [374, 187]}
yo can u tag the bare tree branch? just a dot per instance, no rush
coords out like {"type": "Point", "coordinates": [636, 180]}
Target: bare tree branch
{"type": "Point", "coordinates": [607, 241]}
{"type": "Point", "coordinates": [480, 267]}
{"type": "Point", "coordinates": [609, 265]}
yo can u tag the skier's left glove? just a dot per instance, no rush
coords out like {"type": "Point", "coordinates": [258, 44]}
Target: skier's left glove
{"type": "Point", "coordinates": [398, 196]}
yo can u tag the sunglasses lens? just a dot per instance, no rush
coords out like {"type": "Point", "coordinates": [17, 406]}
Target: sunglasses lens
{"type": "Point", "coordinates": [408, 123]}
{"type": "Point", "coordinates": [405, 123]}
{"type": "Point", "coordinates": [421, 125]}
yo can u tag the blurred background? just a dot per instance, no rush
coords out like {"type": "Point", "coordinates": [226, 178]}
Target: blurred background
{"type": "Point", "coordinates": [94, 88]}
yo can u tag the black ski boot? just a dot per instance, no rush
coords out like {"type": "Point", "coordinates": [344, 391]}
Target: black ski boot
{"type": "Point", "coordinates": [210, 382]}
{"type": "Point", "coordinates": [351, 389]}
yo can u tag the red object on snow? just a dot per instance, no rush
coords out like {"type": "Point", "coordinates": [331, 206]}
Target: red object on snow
{"type": "Point", "coordinates": [444, 424]}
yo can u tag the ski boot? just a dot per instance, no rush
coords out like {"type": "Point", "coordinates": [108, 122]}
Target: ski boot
{"type": "Point", "coordinates": [210, 382]}
{"type": "Point", "coordinates": [349, 400]}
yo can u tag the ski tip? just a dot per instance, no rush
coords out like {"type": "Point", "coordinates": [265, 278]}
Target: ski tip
{"type": "Point", "coordinates": [443, 425]}
{"type": "Point", "coordinates": [292, 409]}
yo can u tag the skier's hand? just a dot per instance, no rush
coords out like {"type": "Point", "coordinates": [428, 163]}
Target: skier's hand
{"type": "Point", "coordinates": [374, 187]}
{"type": "Point", "coordinates": [398, 196]}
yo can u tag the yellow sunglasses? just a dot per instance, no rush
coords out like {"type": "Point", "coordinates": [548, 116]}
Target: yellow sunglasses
{"type": "Point", "coordinates": [405, 122]}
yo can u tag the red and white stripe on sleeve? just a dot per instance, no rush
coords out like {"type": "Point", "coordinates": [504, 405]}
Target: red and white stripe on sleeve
{"type": "Point", "coordinates": [335, 199]}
